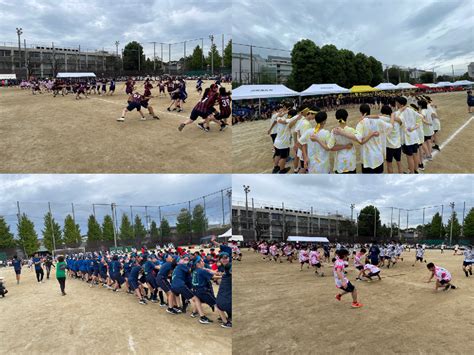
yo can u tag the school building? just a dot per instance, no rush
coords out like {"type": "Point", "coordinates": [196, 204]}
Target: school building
{"type": "Point", "coordinates": [277, 223]}
{"type": "Point", "coordinates": [255, 69]}
{"type": "Point", "coordinates": [44, 61]}
{"type": "Point", "coordinates": [470, 70]}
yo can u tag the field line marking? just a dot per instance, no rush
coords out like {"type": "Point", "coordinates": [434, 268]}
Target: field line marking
{"type": "Point", "coordinates": [450, 138]}
{"type": "Point", "coordinates": [131, 344]}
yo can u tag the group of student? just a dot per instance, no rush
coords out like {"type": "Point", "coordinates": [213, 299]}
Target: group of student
{"type": "Point", "coordinates": [368, 260]}
{"type": "Point", "coordinates": [405, 125]}
{"type": "Point", "coordinates": [67, 86]}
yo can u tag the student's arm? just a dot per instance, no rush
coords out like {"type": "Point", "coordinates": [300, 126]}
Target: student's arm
{"type": "Point", "coordinates": [271, 127]}
{"type": "Point", "coordinates": [341, 277]}
{"type": "Point", "coordinates": [323, 144]}
{"type": "Point", "coordinates": [432, 275]}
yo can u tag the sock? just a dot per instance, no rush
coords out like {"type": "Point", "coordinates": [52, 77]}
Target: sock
{"type": "Point", "coordinates": [160, 294]}
{"type": "Point", "coordinates": [466, 273]}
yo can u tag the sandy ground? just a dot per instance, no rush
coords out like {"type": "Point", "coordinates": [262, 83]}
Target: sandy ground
{"type": "Point", "coordinates": [42, 134]}
{"type": "Point", "coordinates": [252, 147]}
{"type": "Point", "coordinates": [280, 310]}
{"type": "Point", "coordinates": [36, 319]}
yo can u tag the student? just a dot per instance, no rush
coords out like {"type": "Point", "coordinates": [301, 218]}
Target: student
{"type": "Point", "coordinates": [393, 143]}
{"type": "Point", "coordinates": [38, 268]}
{"type": "Point", "coordinates": [420, 252]}
{"type": "Point", "coordinates": [303, 124]}
{"type": "Point", "coordinates": [134, 102]}
{"type": "Point", "coordinates": [181, 282]}
{"type": "Point", "coordinates": [470, 101]}
{"type": "Point", "coordinates": [374, 252]}
{"type": "Point", "coordinates": [163, 283]}
{"type": "Point", "coordinates": [61, 274]}
{"type": "Point", "coordinates": [436, 123]}
{"type": "Point", "coordinates": [370, 271]}
{"type": "Point", "coordinates": [147, 95]}
{"type": "Point", "coordinates": [133, 283]}
{"type": "Point", "coordinates": [303, 257]}
{"type": "Point", "coordinates": [224, 294]}
{"type": "Point", "coordinates": [114, 272]}
{"type": "Point", "coordinates": [344, 159]}
{"type": "Point", "coordinates": [16, 263]}
{"type": "Point", "coordinates": [150, 268]}
{"type": "Point", "coordinates": [442, 276]}
{"type": "Point", "coordinates": [315, 260]}
{"type": "Point", "coordinates": [468, 261]}
{"type": "Point", "coordinates": [409, 136]}
{"type": "Point", "coordinates": [202, 289]}
{"type": "Point", "coordinates": [427, 128]}
{"type": "Point", "coordinates": [342, 282]}
{"type": "Point", "coordinates": [48, 264]}
{"type": "Point", "coordinates": [204, 108]}
{"type": "Point", "coordinates": [112, 87]}
{"type": "Point", "coordinates": [358, 263]}
{"type": "Point", "coordinates": [282, 142]}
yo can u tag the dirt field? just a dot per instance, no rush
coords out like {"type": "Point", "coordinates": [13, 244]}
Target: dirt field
{"type": "Point", "coordinates": [42, 134]}
{"type": "Point", "coordinates": [280, 310]}
{"type": "Point", "coordinates": [252, 147]}
{"type": "Point", "coordinates": [36, 319]}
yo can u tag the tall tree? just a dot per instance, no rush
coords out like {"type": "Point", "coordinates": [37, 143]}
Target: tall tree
{"type": "Point", "coordinates": [367, 216]}
{"type": "Point", "coordinates": [213, 54]}
{"type": "Point", "coordinates": [468, 226]}
{"type": "Point", "coordinates": [165, 229]}
{"type": "Point", "coordinates": [72, 233]}
{"type": "Point", "coordinates": [139, 228]}
{"type": "Point", "coordinates": [126, 229]}
{"type": "Point", "coordinates": [94, 232]}
{"type": "Point", "coordinates": [348, 58]}
{"type": "Point", "coordinates": [27, 237]}
{"type": "Point", "coordinates": [6, 237]}
{"type": "Point", "coordinates": [199, 222]}
{"type": "Point", "coordinates": [183, 224]}
{"type": "Point", "coordinates": [154, 232]}
{"type": "Point", "coordinates": [362, 65]}
{"type": "Point", "coordinates": [195, 62]}
{"type": "Point", "coordinates": [305, 60]}
{"type": "Point", "coordinates": [332, 65]}
{"type": "Point", "coordinates": [133, 56]}
{"type": "Point", "coordinates": [427, 77]}
{"type": "Point", "coordinates": [435, 229]}
{"type": "Point", "coordinates": [456, 227]}
{"type": "Point", "coordinates": [228, 55]}
{"type": "Point", "coordinates": [108, 228]}
{"type": "Point", "coordinates": [51, 230]}
{"type": "Point", "coordinates": [377, 71]}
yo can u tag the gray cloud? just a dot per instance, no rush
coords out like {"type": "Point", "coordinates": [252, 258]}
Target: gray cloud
{"type": "Point", "coordinates": [421, 34]}
{"type": "Point", "coordinates": [334, 193]}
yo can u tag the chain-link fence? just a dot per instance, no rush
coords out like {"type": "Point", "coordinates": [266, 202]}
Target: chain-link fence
{"type": "Point", "coordinates": [100, 226]}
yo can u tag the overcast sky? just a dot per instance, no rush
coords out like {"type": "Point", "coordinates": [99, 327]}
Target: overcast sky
{"type": "Point", "coordinates": [95, 24]}
{"type": "Point", "coordinates": [332, 193]}
{"type": "Point", "coordinates": [35, 191]}
{"type": "Point", "coordinates": [421, 33]}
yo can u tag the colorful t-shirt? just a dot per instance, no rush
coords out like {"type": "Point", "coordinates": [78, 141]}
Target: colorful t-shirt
{"type": "Point", "coordinates": [318, 157]}
{"type": "Point", "coordinates": [441, 273]}
{"type": "Point", "coordinates": [339, 265]}
{"type": "Point", "coordinates": [373, 151]}
{"type": "Point", "coordinates": [344, 160]}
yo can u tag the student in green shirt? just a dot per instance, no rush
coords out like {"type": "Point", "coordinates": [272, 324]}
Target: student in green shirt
{"type": "Point", "coordinates": [61, 273]}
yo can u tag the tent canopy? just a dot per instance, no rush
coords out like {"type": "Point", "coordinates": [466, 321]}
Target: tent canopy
{"type": "Point", "coordinates": [432, 86]}
{"type": "Point", "coordinates": [75, 75]}
{"type": "Point", "coordinates": [443, 84]}
{"type": "Point", "coordinates": [363, 88]}
{"type": "Point", "coordinates": [236, 238]}
{"type": "Point", "coordinates": [7, 76]}
{"type": "Point", "coordinates": [386, 86]}
{"type": "Point", "coordinates": [324, 89]}
{"type": "Point", "coordinates": [422, 86]}
{"type": "Point", "coordinates": [308, 239]}
{"type": "Point", "coordinates": [248, 92]}
{"type": "Point", "coordinates": [226, 234]}
{"type": "Point", "coordinates": [405, 86]}
{"type": "Point", "coordinates": [463, 83]}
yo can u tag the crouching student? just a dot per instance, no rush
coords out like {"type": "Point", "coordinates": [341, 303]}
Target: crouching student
{"type": "Point", "coordinates": [370, 271]}
{"type": "Point", "coordinates": [442, 276]}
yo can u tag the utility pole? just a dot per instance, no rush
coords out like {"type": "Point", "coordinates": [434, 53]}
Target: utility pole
{"type": "Point", "coordinates": [222, 64]}
{"type": "Point", "coordinates": [73, 213]}
{"type": "Point", "coordinates": [452, 220]}
{"type": "Point", "coordinates": [229, 196]}
{"type": "Point", "coordinates": [352, 220]}
{"type": "Point", "coordinates": [52, 227]}
{"type": "Point", "coordinates": [423, 228]}
{"type": "Point", "coordinates": [223, 213]}
{"type": "Point", "coordinates": [211, 37]}
{"type": "Point", "coordinates": [463, 213]}
{"type": "Point", "coordinates": [375, 223]}
{"type": "Point", "coordinates": [112, 207]}
{"type": "Point", "coordinates": [251, 65]}
{"type": "Point", "coordinates": [391, 223]}
{"type": "Point", "coordinates": [202, 57]}
{"type": "Point", "coordinates": [154, 57]}
{"type": "Point", "coordinates": [399, 229]}
{"type": "Point", "coordinates": [19, 32]}
{"type": "Point", "coordinates": [246, 190]}
{"type": "Point", "coordinates": [169, 58]}
{"type": "Point", "coordinates": [184, 58]}
{"type": "Point", "coordinates": [441, 225]}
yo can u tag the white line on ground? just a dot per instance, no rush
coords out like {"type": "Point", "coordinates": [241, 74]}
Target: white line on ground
{"type": "Point", "coordinates": [131, 344]}
{"type": "Point", "coordinates": [450, 138]}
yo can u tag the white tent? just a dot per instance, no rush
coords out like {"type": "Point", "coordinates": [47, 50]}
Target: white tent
{"type": "Point", "coordinates": [308, 239]}
{"type": "Point", "coordinates": [247, 92]}
{"type": "Point", "coordinates": [405, 86]}
{"type": "Point", "coordinates": [431, 85]}
{"type": "Point", "coordinates": [7, 76]}
{"type": "Point", "coordinates": [463, 83]}
{"type": "Point", "coordinates": [227, 234]}
{"type": "Point", "coordinates": [75, 75]}
{"type": "Point", "coordinates": [387, 86]}
{"type": "Point", "coordinates": [324, 89]}
{"type": "Point", "coordinates": [443, 84]}
{"type": "Point", "coordinates": [236, 238]}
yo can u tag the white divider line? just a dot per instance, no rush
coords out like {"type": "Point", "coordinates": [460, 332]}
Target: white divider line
{"type": "Point", "coordinates": [159, 111]}
{"type": "Point", "coordinates": [450, 138]}
{"type": "Point", "coordinates": [131, 344]}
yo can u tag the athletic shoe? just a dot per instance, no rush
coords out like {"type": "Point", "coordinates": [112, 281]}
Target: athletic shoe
{"type": "Point", "coordinates": [205, 320]}
{"type": "Point", "coordinates": [219, 319]}
{"type": "Point", "coordinates": [194, 314]}
{"type": "Point", "coordinates": [121, 119]}
{"type": "Point", "coordinates": [178, 310]}
{"type": "Point", "coordinates": [143, 118]}
{"type": "Point", "coordinates": [227, 325]}
{"type": "Point", "coordinates": [356, 305]}
{"type": "Point", "coordinates": [180, 110]}
{"type": "Point", "coordinates": [163, 305]}
{"type": "Point", "coordinates": [64, 293]}
{"type": "Point", "coordinates": [430, 158]}
{"type": "Point", "coordinates": [169, 109]}
{"type": "Point", "coordinates": [171, 311]}
{"type": "Point", "coordinates": [142, 302]}
{"type": "Point", "coordinates": [201, 126]}
{"type": "Point", "coordinates": [447, 287]}
{"type": "Point", "coordinates": [284, 171]}
{"type": "Point", "coordinates": [223, 127]}
{"type": "Point", "coordinates": [453, 287]}
{"type": "Point", "coordinates": [156, 117]}
{"type": "Point", "coordinates": [436, 147]}
{"type": "Point", "coordinates": [181, 126]}
{"type": "Point", "coordinates": [338, 297]}
{"type": "Point", "coordinates": [275, 170]}
{"type": "Point", "coordinates": [154, 301]}
{"type": "Point", "coordinates": [421, 167]}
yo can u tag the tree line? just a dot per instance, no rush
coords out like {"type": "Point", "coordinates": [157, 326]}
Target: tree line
{"type": "Point", "coordinates": [70, 235]}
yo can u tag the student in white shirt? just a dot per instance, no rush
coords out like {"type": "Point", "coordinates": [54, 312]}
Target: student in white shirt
{"type": "Point", "coordinates": [394, 143]}
{"type": "Point", "coordinates": [427, 128]}
{"type": "Point", "coordinates": [409, 136]}
{"type": "Point", "coordinates": [436, 122]}
{"type": "Point", "coordinates": [282, 142]}
{"type": "Point", "coordinates": [303, 124]}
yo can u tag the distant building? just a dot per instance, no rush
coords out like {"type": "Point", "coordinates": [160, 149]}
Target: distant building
{"type": "Point", "coordinates": [282, 67]}
{"type": "Point", "coordinates": [274, 68]}
{"type": "Point", "coordinates": [241, 66]}
{"type": "Point", "coordinates": [470, 70]}
{"type": "Point", "coordinates": [416, 73]}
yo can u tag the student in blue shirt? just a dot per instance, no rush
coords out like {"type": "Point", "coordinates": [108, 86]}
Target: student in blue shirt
{"type": "Point", "coordinates": [114, 272]}
{"type": "Point", "coordinates": [38, 268]}
{"type": "Point", "coordinates": [150, 267]}
{"type": "Point", "coordinates": [224, 295]}
{"type": "Point", "coordinates": [134, 284]}
{"type": "Point", "coordinates": [17, 267]}
{"type": "Point", "coordinates": [164, 284]}
{"type": "Point", "coordinates": [181, 282]}
{"type": "Point", "coordinates": [202, 289]}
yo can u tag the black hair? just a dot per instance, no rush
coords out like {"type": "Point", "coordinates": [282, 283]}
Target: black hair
{"type": "Point", "coordinates": [342, 252]}
{"type": "Point", "coordinates": [364, 109]}
{"type": "Point", "coordinates": [60, 258]}
{"type": "Point", "coordinates": [363, 250]}
{"type": "Point", "coordinates": [321, 117]}
{"type": "Point", "coordinates": [341, 115]}
{"type": "Point", "coordinates": [401, 100]}
{"type": "Point", "coordinates": [206, 92]}
{"type": "Point", "coordinates": [423, 104]}
{"type": "Point", "coordinates": [15, 256]}
{"type": "Point", "coordinates": [292, 113]}
{"type": "Point", "coordinates": [386, 110]}
{"type": "Point", "coordinates": [430, 265]}
{"type": "Point", "coordinates": [223, 91]}
{"type": "Point", "coordinates": [414, 106]}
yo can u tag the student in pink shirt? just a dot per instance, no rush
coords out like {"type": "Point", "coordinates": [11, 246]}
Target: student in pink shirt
{"type": "Point", "coordinates": [358, 263]}
{"type": "Point", "coordinates": [342, 282]}
{"type": "Point", "coordinates": [303, 257]}
{"type": "Point", "coordinates": [315, 260]}
{"type": "Point", "coordinates": [442, 276]}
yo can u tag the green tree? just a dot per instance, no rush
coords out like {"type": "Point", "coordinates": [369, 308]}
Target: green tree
{"type": "Point", "coordinates": [195, 61]}
{"type": "Point", "coordinates": [362, 65]}
{"type": "Point", "coordinates": [27, 237]}
{"type": "Point", "coordinates": [468, 226]}
{"type": "Point", "coordinates": [94, 232]}
{"type": "Point", "coordinates": [154, 232]}
{"type": "Point", "coordinates": [6, 237]}
{"type": "Point", "coordinates": [435, 229]}
{"type": "Point", "coordinates": [214, 53]}
{"type": "Point", "coordinates": [427, 77]}
{"type": "Point", "coordinates": [72, 233]}
{"type": "Point", "coordinates": [228, 55]}
{"type": "Point", "coordinates": [183, 224]}
{"type": "Point", "coordinates": [133, 56]}
{"type": "Point", "coordinates": [306, 68]}
{"type": "Point", "coordinates": [377, 71]}
{"type": "Point", "coordinates": [332, 65]}
{"type": "Point", "coordinates": [199, 222]}
{"type": "Point", "coordinates": [139, 228]}
{"type": "Point", "coordinates": [51, 230]}
{"type": "Point", "coordinates": [126, 231]}
{"type": "Point", "coordinates": [348, 59]}
{"type": "Point", "coordinates": [165, 229]}
{"type": "Point", "coordinates": [456, 227]}
{"type": "Point", "coordinates": [366, 219]}
{"type": "Point", "coordinates": [108, 228]}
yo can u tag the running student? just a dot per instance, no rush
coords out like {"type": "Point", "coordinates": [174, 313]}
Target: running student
{"type": "Point", "coordinates": [468, 261]}
{"type": "Point", "coordinates": [315, 260]}
{"type": "Point", "coordinates": [358, 263]}
{"type": "Point", "coordinates": [203, 108]}
{"type": "Point", "coordinates": [134, 102]}
{"type": "Point", "coordinates": [420, 252]}
{"type": "Point", "coordinates": [442, 276]}
{"type": "Point", "coordinates": [16, 263]}
{"type": "Point", "coordinates": [37, 261]}
{"type": "Point", "coordinates": [303, 257]}
{"type": "Point", "coordinates": [146, 98]}
{"type": "Point", "coordinates": [61, 274]}
{"type": "Point", "coordinates": [342, 282]}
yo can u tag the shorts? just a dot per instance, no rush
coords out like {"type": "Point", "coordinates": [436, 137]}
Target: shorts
{"type": "Point", "coordinates": [133, 284]}
{"type": "Point", "coordinates": [118, 278]}
{"type": "Point", "coordinates": [360, 267]}
{"type": "Point", "coordinates": [133, 105]}
{"type": "Point", "coordinates": [394, 153]}
{"type": "Point", "coordinates": [318, 265]}
{"type": "Point", "coordinates": [144, 104]}
{"type": "Point", "coordinates": [183, 291]}
{"type": "Point", "coordinates": [282, 153]}
{"type": "Point", "coordinates": [304, 262]}
{"type": "Point", "coordinates": [349, 287]}
{"type": "Point", "coordinates": [95, 273]}
{"type": "Point", "coordinates": [464, 263]}
{"type": "Point", "coordinates": [163, 283]}
{"type": "Point", "coordinates": [444, 282]}
{"type": "Point", "coordinates": [374, 273]}
{"type": "Point", "coordinates": [152, 281]}
{"type": "Point", "coordinates": [377, 170]}
{"type": "Point", "coordinates": [175, 96]}
{"type": "Point", "coordinates": [274, 135]}
{"type": "Point", "coordinates": [427, 138]}
{"type": "Point", "coordinates": [419, 258]}
{"type": "Point", "coordinates": [112, 88]}
{"type": "Point", "coordinates": [195, 114]}
{"type": "Point", "coordinates": [410, 149]}
{"type": "Point", "coordinates": [18, 272]}
{"type": "Point", "coordinates": [219, 116]}
{"type": "Point", "coordinates": [205, 296]}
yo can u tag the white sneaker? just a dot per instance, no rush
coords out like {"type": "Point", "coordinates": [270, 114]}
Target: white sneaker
{"type": "Point", "coordinates": [143, 118]}
{"type": "Point", "coordinates": [120, 119]}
